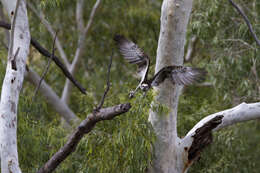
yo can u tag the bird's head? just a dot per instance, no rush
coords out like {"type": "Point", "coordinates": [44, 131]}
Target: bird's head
{"type": "Point", "coordinates": [144, 87]}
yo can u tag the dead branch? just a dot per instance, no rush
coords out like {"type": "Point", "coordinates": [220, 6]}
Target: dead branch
{"type": "Point", "coordinates": [47, 54]}
{"type": "Point", "coordinates": [108, 84]}
{"type": "Point", "coordinates": [240, 11]}
{"type": "Point", "coordinates": [85, 127]}
{"type": "Point", "coordinates": [203, 137]}
{"type": "Point", "coordinates": [47, 67]}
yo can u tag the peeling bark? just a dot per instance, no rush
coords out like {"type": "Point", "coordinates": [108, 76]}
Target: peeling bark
{"type": "Point", "coordinates": [200, 135]}
{"type": "Point", "coordinates": [203, 137]}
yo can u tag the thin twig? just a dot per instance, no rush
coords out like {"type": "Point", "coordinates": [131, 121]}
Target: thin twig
{"type": "Point", "coordinates": [108, 84]}
{"type": "Point", "coordinates": [246, 20]}
{"type": "Point", "coordinates": [47, 54]}
{"type": "Point", "coordinates": [10, 52]}
{"type": "Point", "coordinates": [47, 67]}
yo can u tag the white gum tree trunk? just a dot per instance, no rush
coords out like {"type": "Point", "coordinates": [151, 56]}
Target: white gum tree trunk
{"type": "Point", "coordinates": [174, 19]}
{"type": "Point", "coordinates": [12, 85]}
{"type": "Point", "coordinates": [171, 153]}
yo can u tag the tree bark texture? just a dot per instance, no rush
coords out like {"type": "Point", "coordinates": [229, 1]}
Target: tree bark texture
{"type": "Point", "coordinates": [171, 153]}
{"type": "Point", "coordinates": [12, 85]}
{"type": "Point", "coordinates": [174, 19]}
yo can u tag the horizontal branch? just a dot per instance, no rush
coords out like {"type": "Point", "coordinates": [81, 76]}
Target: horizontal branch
{"type": "Point", "coordinates": [47, 54]}
{"type": "Point", "coordinates": [85, 127]}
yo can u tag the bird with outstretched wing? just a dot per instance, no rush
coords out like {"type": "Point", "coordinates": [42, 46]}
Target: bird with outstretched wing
{"type": "Point", "coordinates": [180, 75]}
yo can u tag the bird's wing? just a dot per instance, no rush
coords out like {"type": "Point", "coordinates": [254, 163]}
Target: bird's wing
{"type": "Point", "coordinates": [179, 75]}
{"type": "Point", "coordinates": [134, 55]}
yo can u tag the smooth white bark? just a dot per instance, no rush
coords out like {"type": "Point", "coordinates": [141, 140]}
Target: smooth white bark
{"type": "Point", "coordinates": [51, 97]}
{"type": "Point", "coordinates": [174, 19]}
{"type": "Point", "coordinates": [242, 112]}
{"type": "Point", "coordinates": [11, 88]}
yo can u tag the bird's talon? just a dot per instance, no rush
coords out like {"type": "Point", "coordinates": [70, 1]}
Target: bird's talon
{"type": "Point", "coordinates": [131, 94]}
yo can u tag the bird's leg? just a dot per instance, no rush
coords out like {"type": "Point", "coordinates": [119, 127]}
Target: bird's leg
{"type": "Point", "coordinates": [132, 93]}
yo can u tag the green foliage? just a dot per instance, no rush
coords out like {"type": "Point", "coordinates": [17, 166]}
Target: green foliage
{"type": "Point", "coordinates": [225, 48]}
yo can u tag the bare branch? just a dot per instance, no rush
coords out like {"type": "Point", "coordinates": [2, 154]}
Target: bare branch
{"type": "Point", "coordinates": [51, 97]}
{"type": "Point", "coordinates": [240, 11]}
{"type": "Point", "coordinates": [190, 50]}
{"type": "Point", "coordinates": [46, 53]}
{"type": "Point", "coordinates": [85, 127]}
{"type": "Point", "coordinates": [41, 16]}
{"type": "Point", "coordinates": [240, 113]}
{"type": "Point", "coordinates": [92, 15]}
{"type": "Point", "coordinates": [108, 84]}
{"type": "Point", "coordinates": [47, 67]}
{"type": "Point", "coordinates": [79, 15]}
{"type": "Point", "coordinates": [65, 71]}
{"type": "Point", "coordinates": [79, 52]}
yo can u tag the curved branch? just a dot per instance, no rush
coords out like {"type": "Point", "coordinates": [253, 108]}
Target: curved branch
{"type": "Point", "coordinates": [85, 127]}
{"type": "Point", "coordinates": [240, 11]}
{"type": "Point", "coordinates": [47, 54]}
{"type": "Point", "coordinates": [240, 113]}
{"type": "Point", "coordinates": [200, 135]}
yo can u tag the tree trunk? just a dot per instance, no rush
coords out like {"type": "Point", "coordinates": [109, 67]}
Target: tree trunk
{"type": "Point", "coordinates": [174, 19]}
{"type": "Point", "coordinates": [12, 85]}
{"type": "Point", "coordinates": [171, 153]}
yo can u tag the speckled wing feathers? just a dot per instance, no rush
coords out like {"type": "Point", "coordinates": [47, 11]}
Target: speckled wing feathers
{"type": "Point", "coordinates": [133, 54]}
{"type": "Point", "coordinates": [179, 75]}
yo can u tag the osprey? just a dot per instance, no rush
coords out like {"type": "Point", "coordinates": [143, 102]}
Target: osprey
{"type": "Point", "coordinates": [177, 74]}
